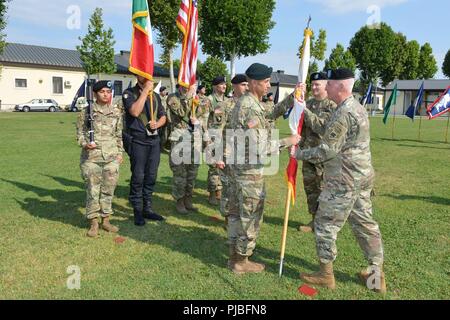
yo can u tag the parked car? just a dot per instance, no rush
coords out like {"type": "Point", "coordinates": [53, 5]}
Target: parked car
{"type": "Point", "coordinates": [79, 105]}
{"type": "Point", "coordinates": [38, 105]}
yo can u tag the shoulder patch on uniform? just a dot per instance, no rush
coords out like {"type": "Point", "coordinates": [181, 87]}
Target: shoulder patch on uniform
{"type": "Point", "coordinates": [253, 123]}
{"type": "Point", "coordinates": [335, 131]}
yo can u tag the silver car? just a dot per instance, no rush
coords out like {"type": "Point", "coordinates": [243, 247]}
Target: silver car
{"type": "Point", "coordinates": [38, 105]}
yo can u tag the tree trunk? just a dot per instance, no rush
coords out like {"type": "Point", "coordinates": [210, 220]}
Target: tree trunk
{"type": "Point", "coordinates": [172, 76]}
{"type": "Point", "coordinates": [232, 65]}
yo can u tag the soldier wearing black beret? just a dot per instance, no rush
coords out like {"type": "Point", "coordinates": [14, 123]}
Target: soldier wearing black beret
{"type": "Point", "coordinates": [218, 95]}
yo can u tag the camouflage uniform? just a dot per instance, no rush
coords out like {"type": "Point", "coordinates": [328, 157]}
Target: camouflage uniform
{"type": "Point", "coordinates": [99, 167]}
{"type": "Point", "coordinates": [227, 201]}
{"type": "Point", "coordinates": [348, 181]}
{"type": "Point", "coordinates": [184, 175]}
{"type": "Point", "coordinates": [165, 131]}
{"type": "Point", "coordinates": [244, 223]}
{"type": "Point", "coordinates": [317, 115]}
{"type": "Point", "coordinates": [215, 122]}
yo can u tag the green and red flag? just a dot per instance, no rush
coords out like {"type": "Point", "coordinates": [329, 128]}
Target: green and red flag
{"type": "Point", "coordinates": [392, 101]}
{"type": "Point", "coordinates": [142, 55]}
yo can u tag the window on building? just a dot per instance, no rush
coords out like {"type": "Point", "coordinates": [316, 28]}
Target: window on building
{"type": "Point", "coordinates": [118, 88]}
{"type": "Point", "coordinates": [57, 85]}
{"type": "Point", "coordinates": [21, 83]}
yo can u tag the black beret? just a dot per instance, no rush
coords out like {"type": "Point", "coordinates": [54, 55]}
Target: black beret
{"type": "Point", "coordinates": [340, 74]}
{"type": "Point", "coordinates": [269, 94]}
{"type": "Point", "coordinates": [258, 71]}
{"type": "Point", "coordinates": [318, 76]}
{"type": "Point", "coordinates": [239, 78]}
{"type": "Point", "coordinates": [218, 80]}
{"type": "Point", "coordinates": [99, 85]}
{"type": "Point", "coordinates": [200, 87]}
{"type": "Point", "coordinates": [162, 89]}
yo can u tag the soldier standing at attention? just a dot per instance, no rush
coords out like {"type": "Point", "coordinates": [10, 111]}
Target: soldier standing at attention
{"type": "Point", "coordinates": [100, 160]}
{"type": "Point", "coordinates": [348, 181]}
{"type": "Point", "coordinates": [142, 128]}
{"type": "Point", "coordinates": [185, 126]}
{"type": "Point", "coordinates": [222, 115]}
{"type": "Point", "coordinates": [214, 184]}
{"type": "Point", "coordinates": [318, 112]}
{"type": "Point", "coordinates": [249, 115]}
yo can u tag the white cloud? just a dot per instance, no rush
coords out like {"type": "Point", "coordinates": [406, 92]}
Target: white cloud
{"type": "Point", "coordinates": [346, 6]}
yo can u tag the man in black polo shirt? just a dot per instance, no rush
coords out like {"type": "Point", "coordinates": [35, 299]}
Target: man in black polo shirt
{"type": "Point", "coordinates": [143, 146]}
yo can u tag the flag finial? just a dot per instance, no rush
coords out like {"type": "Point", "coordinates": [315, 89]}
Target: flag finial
{"type": "Point", "coordinates": [309, 21]}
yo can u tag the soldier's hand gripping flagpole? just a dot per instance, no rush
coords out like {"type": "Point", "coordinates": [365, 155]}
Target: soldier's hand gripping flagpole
{"type": "Point", "coordinates": [295, 124]}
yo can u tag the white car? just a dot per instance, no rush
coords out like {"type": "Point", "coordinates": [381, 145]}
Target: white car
{"type": "Point", "coordinates": [38, 105]}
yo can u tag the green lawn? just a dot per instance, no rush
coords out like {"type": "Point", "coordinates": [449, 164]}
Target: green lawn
{"type": "Point", "coordinates": [42, 228]}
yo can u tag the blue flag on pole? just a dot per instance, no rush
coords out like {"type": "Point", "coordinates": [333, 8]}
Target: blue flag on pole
{"type": "Point", "coordinates": [367, 99]}
{"type": "Point", "coordinates": [440, 106]}
{"type": "Point", "coordinates": [80, 93]}
{"type": "Point", "coordinates": [412, 110]}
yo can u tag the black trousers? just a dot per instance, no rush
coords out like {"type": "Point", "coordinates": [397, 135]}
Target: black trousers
{"type": "Point", "coordinates": [144, 161]}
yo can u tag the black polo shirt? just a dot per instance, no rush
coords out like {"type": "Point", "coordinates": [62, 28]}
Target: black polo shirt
{"type": "Point", "coordinates": [134, 125]}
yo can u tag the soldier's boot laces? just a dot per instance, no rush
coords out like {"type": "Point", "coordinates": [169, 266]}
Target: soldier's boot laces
{"type": "Point", "coordinates": [93, 230]}
{"type": "Point", "coordinates": [307, 228]}
{"type": "Point", "coordinates": [107, 226]}
{"type": "Point", "coordinates": [188, 204]}
{"type": "Point", "coordinates": [181, 208]}
{"type": "Point", "coordinates": [212, 199]}
{"type": "Point", "coordinates": [324, 277]}
{"type": "Point", "coordinates": [376, 284]}
{"type": "Point", "coordinates": [240, 265]}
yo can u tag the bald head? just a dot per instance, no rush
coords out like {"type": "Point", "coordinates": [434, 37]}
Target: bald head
{"type": "Point", "coordinates": [339, 90]}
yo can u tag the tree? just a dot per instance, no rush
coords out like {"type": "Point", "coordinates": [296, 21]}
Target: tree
{"type": "Point", "coordinates": [373, 50]}
{"type": "Point", "coordinates": [427, 62]}
{"type": "Point", "coordinates": [97, 48]}
{"type": "Point", "coordinates": [163, 14]}
{"type": "Point", "coordinates": [3, 9]}
{"type": "Point", "coordinates": [340, 58]}
{"type": "Point", "coordinates": [446, 65]}
{"type": "Point", "coordinates": [399, 56]}
{"type": "Point", "coordinates": [231, 29]}
{"type": "Point", "coordinates": [211, 68]}
{"type": "Point", "coordinates": [411, 66]}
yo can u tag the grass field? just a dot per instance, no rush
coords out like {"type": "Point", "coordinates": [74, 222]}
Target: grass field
{"type": "Point", "coordinates": [42, 228]}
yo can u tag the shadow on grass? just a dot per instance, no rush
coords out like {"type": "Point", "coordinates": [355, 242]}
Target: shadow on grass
{"type": "Point", "coordinates": [426, 147]}
{"type": "Point", "coordinates": [431, 199]}
{"type": "Point", "coordinates": [198, 242]}
{"type": "Point", "coordinates": [410, 140]}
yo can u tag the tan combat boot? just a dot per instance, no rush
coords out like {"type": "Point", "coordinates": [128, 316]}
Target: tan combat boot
{"type": "Point", "coordinates": [218, 194]}
{"type": "Point", "coordinates": [378, 285]}
{"type": "Point", "coordinates": [240, 265]}
{"type": "Point", "coordinates": [307, 228]}
{"type": "Point", "coordinates": [212, 199]}
{"type": "Point", "coordinates": [93, 230]}
{"type": "Point", "coordinates": [323, 278]}
{"type": "Point", "coordinates": [188, 204]}
{"type": "Point", "coordinates": [107, 226]}
{"type": "Point", "coordinates": [181, 206]}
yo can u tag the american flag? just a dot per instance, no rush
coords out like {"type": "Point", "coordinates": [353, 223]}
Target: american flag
{"type": "Point", "coordinates": [187, 22]}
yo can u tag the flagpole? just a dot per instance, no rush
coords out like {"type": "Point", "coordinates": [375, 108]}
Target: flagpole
{"type": "Point", "coordinates": [446, 130]}
{"type": "Point", "coordinates": [420, 124]}
{"type": "Point", "coordinates": [393, 124]}
{"type": "Point", "coordinates": [301, 78]}
{"type": "Point", "coordinates": [152, 116]}
{"type": "Point", "coordinates": [285, 226]}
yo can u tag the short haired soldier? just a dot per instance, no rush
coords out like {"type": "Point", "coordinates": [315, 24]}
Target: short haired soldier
{"type": "Point", "coordinates": [100, 160]}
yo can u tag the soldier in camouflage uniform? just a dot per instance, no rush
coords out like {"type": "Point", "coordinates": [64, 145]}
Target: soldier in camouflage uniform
{"type": "Point", "coordinates": [184, 174]}
{"type": "Point", "coordinates": [165, 131]}
{"type": "Point", "coordinates": [222, 115]}
{"type": "Point", "coordinates": [100, 161]}
{"type": "Point", "coordinates": [318, 112]}
{"type": "Point", "coordinates": [348, 182]}
{"type": "Point", "coordinates": [218, 95]}
{"type": "Point", "coordinates": [249, 115]}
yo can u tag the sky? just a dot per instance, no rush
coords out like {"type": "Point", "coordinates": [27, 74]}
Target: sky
{"type": "Point", "coordinates": [51, 23]}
